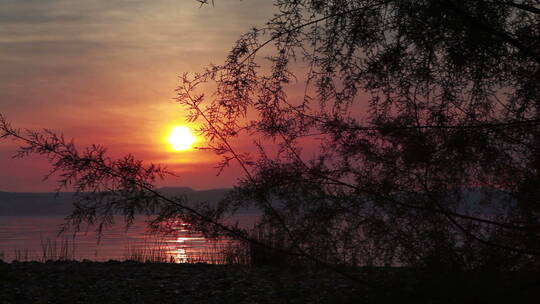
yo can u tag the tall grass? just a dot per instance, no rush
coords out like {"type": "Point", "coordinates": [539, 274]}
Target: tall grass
{"type": "Point", "coordinates": [21, 255]}
{"type": "Point", "coordinates": [225, 252]}
{"type": "Point", "coordinates": [52, 251]}
{"type": "Point", "coordinates": [156, 249]}
{"type": "Point", "coordinates": [255, 253]}
{"type": "Point", "coordinates": [261, 252]}
{"type": "Point", "coordinates": [151, 250]}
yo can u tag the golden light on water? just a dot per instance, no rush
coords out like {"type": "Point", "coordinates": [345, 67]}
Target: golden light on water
{"type": "Point", "coordinates": [181, 138]}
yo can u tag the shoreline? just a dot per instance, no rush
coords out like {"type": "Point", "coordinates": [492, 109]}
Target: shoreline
{"type": "Point", "coordinates": [135, 282]}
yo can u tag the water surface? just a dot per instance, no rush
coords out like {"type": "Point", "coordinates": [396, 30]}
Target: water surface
{"type": "Point", "coordinates": [36, 238]}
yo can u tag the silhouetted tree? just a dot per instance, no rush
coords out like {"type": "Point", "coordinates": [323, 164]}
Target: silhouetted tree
{"type": "Point", "coordinates": [388, 131]}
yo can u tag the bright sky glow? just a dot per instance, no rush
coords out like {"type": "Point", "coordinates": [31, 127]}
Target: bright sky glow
{"type": "Point", "coordinates": [104, 72]}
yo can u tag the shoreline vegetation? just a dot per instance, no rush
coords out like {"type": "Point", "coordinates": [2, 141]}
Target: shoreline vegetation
{"type": "Point", "coordinates": [154, 248]}
{"type": "Point", "coordinates": [151, 249]}
{"type": "Point", "coordinates": [235, 273]}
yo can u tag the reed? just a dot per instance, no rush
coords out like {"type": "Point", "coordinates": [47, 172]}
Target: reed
{"type": "Point", "coordinates": [226, 252]}
{"type": "Point", "coordinates": [247, 253]}
{"type": "Point", "coordinates": [260, 252]}
{"type": "Point", "coordinates": [235, 253]}
{"type": "Point", "coordinates": [156, 249]}
{"type": "Point", "coordinates": [52, 251]}
{"type": "Point", "coordinates": [151, 250]}
{"type": "Point", "coordinates": [20, 255]}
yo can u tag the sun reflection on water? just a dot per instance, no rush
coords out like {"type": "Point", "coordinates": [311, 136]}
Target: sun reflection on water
{"type": "Point", "coordinates": [180, 256]}
{"type": "Point", "coordinates": [181, 245]}
{"type": "Point", "coordinates": [184, 245]}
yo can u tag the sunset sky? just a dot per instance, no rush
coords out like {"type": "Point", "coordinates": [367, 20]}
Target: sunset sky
{"type": "Point", "coordinates": [104, 71]}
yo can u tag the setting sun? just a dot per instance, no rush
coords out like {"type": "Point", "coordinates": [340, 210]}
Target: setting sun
{"type": "Point", "coordinates": [181, 138]}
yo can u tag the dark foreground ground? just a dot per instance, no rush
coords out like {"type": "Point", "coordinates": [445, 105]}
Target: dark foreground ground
{"type": "Point", "coordinates": [131, 282]}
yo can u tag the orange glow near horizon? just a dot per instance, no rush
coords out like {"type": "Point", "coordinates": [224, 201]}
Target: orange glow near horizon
{"type": "Point", "coordinates": [181, 138]}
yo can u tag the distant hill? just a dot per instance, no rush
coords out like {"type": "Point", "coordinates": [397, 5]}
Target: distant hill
{"type": "Point", "coordinates": [35, 203]}
{"type": "Point", "coordinates": [16, 203]}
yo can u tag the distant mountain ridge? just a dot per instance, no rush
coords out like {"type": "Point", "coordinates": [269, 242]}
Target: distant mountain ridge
{"type": "Point", "coordinates": [50, 203]}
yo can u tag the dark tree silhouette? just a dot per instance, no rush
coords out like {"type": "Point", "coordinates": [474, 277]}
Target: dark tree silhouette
{"type": "Point", "coordinates": [415, 139]}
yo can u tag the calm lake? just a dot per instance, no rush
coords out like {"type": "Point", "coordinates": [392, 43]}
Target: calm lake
{"type": "Point", "coordinates": [36, 238]}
